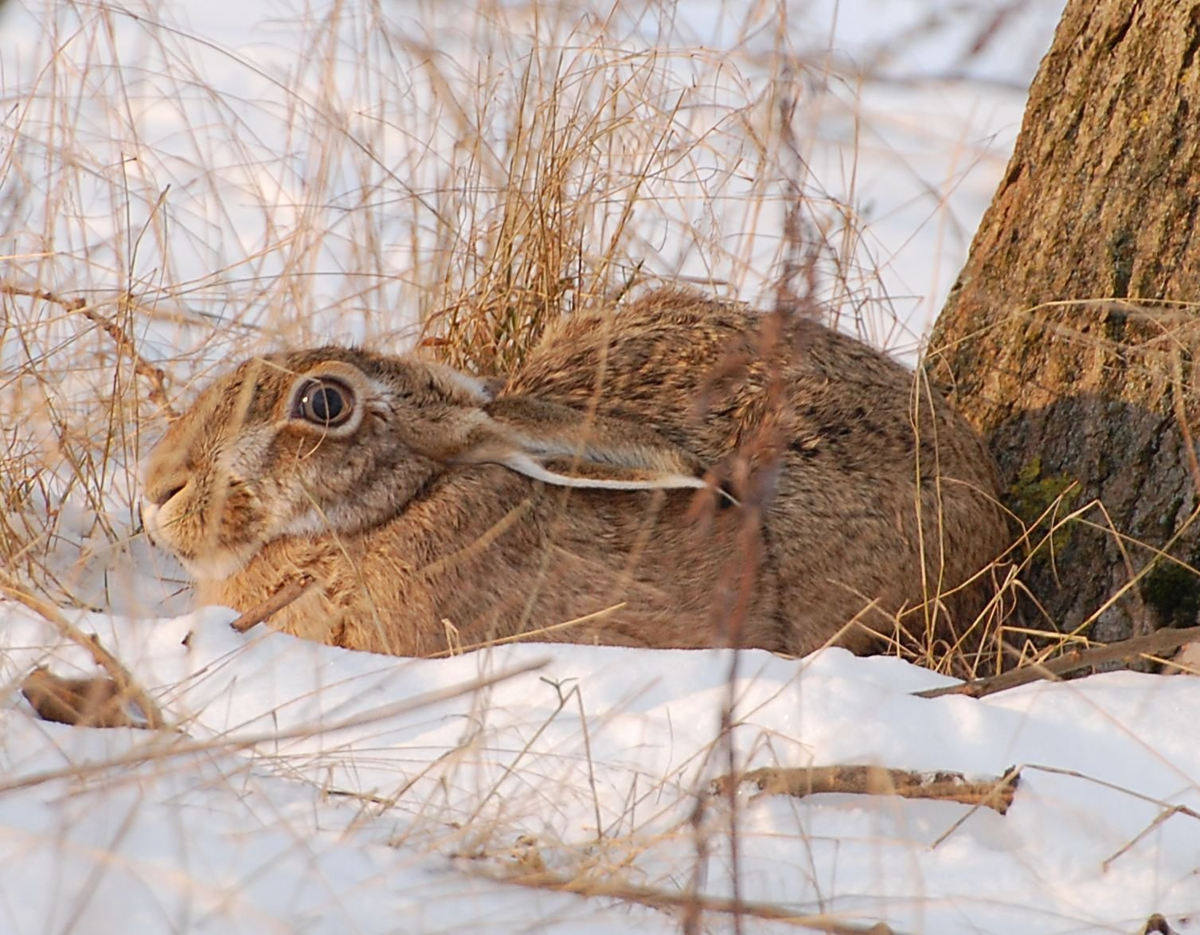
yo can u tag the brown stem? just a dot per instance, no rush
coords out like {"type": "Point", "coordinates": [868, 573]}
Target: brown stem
{"type": "Point", "coordinates": [1155, 644]}
{"type": "Point", "coordinates": [290, 592]}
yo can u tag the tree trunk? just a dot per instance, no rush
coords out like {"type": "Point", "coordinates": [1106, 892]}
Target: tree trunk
{"type": "Point", "coordinates": [1071, 337]}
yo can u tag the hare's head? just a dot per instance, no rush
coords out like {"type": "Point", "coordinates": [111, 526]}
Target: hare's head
{"type": "Point", "coordinates": [338, 440]}
{"type": "Point", "coordinates": [297, 443]}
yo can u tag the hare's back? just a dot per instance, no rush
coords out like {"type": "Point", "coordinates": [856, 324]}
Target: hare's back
{"type": "Point", "coordinates": [633, 357]}
{"type": "Point", "coordinates": [707, 374]}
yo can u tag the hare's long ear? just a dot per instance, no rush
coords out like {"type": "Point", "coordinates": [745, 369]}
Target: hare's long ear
{"type": "Point", "coordinates": [559, 446]}
{"type": "Point", "coordinates": [596, 475]}
{"type": "Point", "coordinates": [439, 412]}
{"type": "Point", "coordinates": [461, 388]}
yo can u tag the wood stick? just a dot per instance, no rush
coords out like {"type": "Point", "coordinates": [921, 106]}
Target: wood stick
{"type": "Point", "coordinates": [1157, 643]}
{"type": "Point", "coordinates": [992, 792]}
{"type": "Point", "coordinates": [290, 592]}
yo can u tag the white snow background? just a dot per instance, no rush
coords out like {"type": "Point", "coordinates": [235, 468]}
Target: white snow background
{"type": "Point", "coordinates": [310, 789]}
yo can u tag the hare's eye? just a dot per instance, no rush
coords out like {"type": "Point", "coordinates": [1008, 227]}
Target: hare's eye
{"type": "Point", "coordinates": [323, 402]}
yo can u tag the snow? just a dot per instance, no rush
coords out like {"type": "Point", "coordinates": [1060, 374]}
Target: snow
{"type": "Point", "coordinates": [319, 789]}
{"type": "Point", "coordinates": [306, 788]}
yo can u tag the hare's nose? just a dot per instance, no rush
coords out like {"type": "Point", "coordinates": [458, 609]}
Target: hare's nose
{"type": "Point", "coordinates": [160, 494]}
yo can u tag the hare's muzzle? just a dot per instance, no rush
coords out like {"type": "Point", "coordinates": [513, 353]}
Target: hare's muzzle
{"type": "Point", "coordinates": [157, 493]}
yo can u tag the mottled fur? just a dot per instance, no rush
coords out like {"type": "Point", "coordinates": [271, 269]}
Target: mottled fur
{"type": "Point", "coordinates": [864, 500]}
{"type": "Point", "coordinates": [420, 523]}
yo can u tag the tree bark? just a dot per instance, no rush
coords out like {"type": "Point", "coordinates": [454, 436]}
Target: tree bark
{"type": "Point", "coordinates": [1071, 338]}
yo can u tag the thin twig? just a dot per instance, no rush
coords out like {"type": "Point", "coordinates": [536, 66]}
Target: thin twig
{"type": "Point", "coordinates": [292, 591]}
{"type": "Point", "coordinates": [1168, 809]}
{"type": "Point", "coordinates": [1158, 820]}
{"type": "Point", "coordinates": [1155, 644]}
{"type": "Point", "coordinates": [155, 376]}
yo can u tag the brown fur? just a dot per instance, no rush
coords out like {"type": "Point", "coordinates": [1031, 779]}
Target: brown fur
{"type": "Point", "coordinates": [830, 423]}
{"type": "Point", "coordinates": [419, 529]}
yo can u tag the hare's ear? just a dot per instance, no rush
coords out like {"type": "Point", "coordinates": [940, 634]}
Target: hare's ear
{"type": "Point", "coordinates": [559, 446]}
{"type": "Point", "coordinates": [446, 408]}
{"type": "Point", "coordinates": [462, 388]}
{"type": "Point", "coordinates": [602, 474]}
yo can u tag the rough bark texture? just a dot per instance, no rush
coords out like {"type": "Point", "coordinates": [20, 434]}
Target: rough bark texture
{"type": "Point", "coordinates": [1057, 343]}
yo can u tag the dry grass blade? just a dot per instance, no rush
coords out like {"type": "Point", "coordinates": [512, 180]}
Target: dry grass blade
{"type": "Point", "coordinates": [531, 636]}
{"type": "Point", "coordinates": [688, 902]}
{"type": "Point", "coordinates": [1159, 819]}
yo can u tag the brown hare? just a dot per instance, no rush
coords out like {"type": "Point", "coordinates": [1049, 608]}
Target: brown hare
{"type": "Point", "coordinates": [434, 509]}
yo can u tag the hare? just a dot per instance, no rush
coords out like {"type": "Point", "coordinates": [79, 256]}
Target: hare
{"type": "Point", "coordinates": [678, 472]}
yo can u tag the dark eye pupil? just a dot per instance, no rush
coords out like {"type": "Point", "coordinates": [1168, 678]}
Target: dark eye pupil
{"type": "Point", "coordinates": [323, 403]}
{"type": "Point", "coordinates": [326, 404]}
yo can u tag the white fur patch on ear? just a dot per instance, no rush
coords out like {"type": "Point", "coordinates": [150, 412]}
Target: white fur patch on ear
{"type": "Point", "coordinates": [523, 464]}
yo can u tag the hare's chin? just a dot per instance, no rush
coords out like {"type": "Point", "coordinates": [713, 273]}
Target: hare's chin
{"type": "Point", "coordinates": [205, 563]}
{"type": "Point", "coordinates": [216, 564]}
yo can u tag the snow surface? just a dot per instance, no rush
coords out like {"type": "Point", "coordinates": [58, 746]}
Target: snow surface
{"type": "Point", "coordinates": [317, 790]}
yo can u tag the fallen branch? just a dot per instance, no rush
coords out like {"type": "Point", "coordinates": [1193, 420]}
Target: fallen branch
{"type": "Point", "coordinates": [87, 702]}
{"type": "Point", "coordinates": [995, 793]}
{"type": "Point", "coordinates": [125, 684]}
{"type": "Point", "coordinates": [155, 376]}
{"type": "Point", "coordinates": [1155, 644]}
{"type": "Point", "coordinates": [290, 592]}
